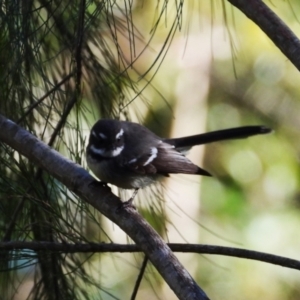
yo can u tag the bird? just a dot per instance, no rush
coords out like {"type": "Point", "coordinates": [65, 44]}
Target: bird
{"type": "Point", "coordinates": [130, 156]}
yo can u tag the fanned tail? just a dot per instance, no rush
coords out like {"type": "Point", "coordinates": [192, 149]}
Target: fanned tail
{"type": "Point", "coordinates": [219, 135]}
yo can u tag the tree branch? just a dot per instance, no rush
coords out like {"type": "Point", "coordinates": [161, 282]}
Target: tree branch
{"type": "Point", "coordinates": [79, 181]}
{"type": "Point", "coordinates": [121, 248]}
{"type": "Point", "coordinates": [273, 27]}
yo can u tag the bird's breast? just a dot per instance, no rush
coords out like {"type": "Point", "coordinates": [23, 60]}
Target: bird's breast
{"type": "Point", "coordinates": [110, 171]}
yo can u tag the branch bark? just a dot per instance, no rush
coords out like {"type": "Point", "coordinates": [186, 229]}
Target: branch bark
{"type": "Point", "coordinates": [273, 27]}
{"type": "Point", "coordinates": [76, 179]}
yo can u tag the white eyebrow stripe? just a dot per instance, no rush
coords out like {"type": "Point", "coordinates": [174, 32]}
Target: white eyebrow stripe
{"type": "Point", "coordinates": [151, 157]}
{"type": "Point", "coordinates": [94, 134]}
{"type": "Point", "coordinates": [102, 135]}
{"type": "Point", "coordinates": [120, 133]}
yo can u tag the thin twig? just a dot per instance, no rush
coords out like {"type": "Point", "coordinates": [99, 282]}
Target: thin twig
{"type": "Point", "coordinates": [139, 279]}
{"type": "Point", "coordinates": [184, 248]}
{"type": "Point", "coordinates": [34, 105]}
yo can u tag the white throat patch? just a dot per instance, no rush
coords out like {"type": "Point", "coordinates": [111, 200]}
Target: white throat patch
{"type": "Point", "coordinates": [119, 134]}
{"type": "Point", "coordinates": [105, 153]}
{"type": "Point", "coordinates": [117, 151]}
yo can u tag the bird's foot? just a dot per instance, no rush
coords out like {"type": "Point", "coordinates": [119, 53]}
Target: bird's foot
{"type": "Point", "coordinates": [128, 203]}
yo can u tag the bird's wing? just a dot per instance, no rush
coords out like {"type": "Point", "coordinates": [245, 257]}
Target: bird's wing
{"type": "Point", "coordinates": [164, 159]}
{"type": "Point", "coordinates": [142, 164]}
